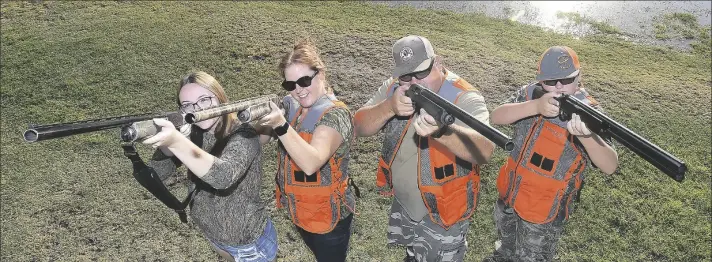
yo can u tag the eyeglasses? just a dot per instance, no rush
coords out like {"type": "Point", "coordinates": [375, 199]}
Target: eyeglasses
{"type": "Point", "coordinates": [202, 103]}
{"type": "Point", "coordinates": [304, 81]}
{"type": "Point", "coordinates": [564, 81]}
{"type": "Point", "coordinates": [418, 75]}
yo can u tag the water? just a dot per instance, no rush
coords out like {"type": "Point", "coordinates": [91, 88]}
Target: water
{"type": "Point", "coordinates": [634, 19]}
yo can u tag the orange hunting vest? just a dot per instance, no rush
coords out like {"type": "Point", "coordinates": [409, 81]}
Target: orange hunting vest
{"type": "Point", "coordinates": [448, 185]}
{"type": "Point", "coordinates": [545, 168]}
{"type": "Point", "coordinates": [314, 201]}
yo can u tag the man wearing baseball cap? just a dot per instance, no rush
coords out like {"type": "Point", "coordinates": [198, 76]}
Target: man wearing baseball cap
{"type": "Point", "coordinates": [432, 171]}
{"type": "Point", "coordinates": [544, 173]}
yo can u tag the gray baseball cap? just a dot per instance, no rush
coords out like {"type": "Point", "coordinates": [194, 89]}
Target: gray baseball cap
{"type": "Point", "coordinates": [412, 54]}
{"type": "Point", "coordinates": [558, 62]}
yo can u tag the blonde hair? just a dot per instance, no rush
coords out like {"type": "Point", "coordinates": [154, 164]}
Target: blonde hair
{"type": "Point", "coordinates": [226, 122]}
{"type": "Point", "coordinates": [305, 52]}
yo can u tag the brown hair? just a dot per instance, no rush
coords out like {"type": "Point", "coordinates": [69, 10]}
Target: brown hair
{"type": "Point", "coordinates": [226, 122]}
{"type": "Point", "coordinates": [305, 52]}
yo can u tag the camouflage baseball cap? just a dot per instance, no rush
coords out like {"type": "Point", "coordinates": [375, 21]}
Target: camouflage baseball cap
{"type": "Point", "coordinates": [558, 62]}
{"type": "Point", "coordinates": [412, 54]}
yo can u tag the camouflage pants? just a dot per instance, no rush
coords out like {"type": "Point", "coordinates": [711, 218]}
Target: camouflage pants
{"type": "Point", "coordinates": [427, 240]}
{"type": "Point", "coordinates": [524, 241]}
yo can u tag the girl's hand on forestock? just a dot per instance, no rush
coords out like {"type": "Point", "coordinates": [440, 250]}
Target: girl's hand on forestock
{"type": "Point", "coordinates": [166, 137]}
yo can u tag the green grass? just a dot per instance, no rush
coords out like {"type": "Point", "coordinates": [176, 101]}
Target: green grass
{"type": "Point", "coordinates": [684, 26]}
{"type": "Point", "coordinates": [74, 198]}
{"type": "Point", "coordinates": [577, 19]}
{"type": "Point", "coordinates": [676, 25]}
{"type": "Point", "coordinates": [703, 44]}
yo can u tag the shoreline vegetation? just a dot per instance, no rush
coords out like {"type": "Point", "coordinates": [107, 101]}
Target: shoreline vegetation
{"type": "Point", "coordinates": [74, 198]}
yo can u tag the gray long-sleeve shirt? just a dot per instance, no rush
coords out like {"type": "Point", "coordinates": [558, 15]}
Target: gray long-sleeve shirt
{"type": "Point", "coordinates": [231, 212]}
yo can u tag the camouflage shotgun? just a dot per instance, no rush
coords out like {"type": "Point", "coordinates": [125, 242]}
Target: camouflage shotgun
{"type": "Point", "coordinates": [248, 110]}
{"type": "Point", "coordinates": [144, 129]}
{"type": "Point", "coordinates": [138, 127]}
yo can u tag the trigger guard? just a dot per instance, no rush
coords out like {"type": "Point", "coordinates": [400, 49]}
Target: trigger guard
{"type": "Point", "coordinates": [563, 116]}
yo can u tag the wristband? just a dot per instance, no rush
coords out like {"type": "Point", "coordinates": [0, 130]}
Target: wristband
{"type": "Point", "coordinates": [281, 130]}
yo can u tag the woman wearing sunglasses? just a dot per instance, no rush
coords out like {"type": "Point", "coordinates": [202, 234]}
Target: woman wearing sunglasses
{"type": "Point", "coordinates": [223, 160]}
{"type": "Point", "coordinates": [314, 142]}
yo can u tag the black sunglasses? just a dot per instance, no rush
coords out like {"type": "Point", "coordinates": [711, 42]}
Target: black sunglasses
{"type": "Point", "coordinates": [303, 81]}
{"type": "Point", "coordinates": [564, 81]}
{"type": "Point", "coordinates": [418, 75]}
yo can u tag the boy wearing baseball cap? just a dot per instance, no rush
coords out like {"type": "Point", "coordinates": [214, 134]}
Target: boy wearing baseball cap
{"type": "Point", "coordinates": [432, 172]}
{"type": "Point", "coordinates": [545, 171]}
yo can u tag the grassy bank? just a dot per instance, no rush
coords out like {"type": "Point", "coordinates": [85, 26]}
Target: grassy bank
{"type": "Point", "coordinates": [75, 199]}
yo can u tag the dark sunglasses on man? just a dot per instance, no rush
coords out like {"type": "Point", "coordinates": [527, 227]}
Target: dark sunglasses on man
{"type": "Point", "coordinates": [564, 81]}
{"type": "Point", "coordinates": [418, 75]}
{"type": "Point", "coordinates": [303, 81]}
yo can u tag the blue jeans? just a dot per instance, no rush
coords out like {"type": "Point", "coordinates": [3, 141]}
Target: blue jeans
{"type": "Point", "coordinates": [332, 246]}
{"type": "Point", "coordinates": [263, 250]}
